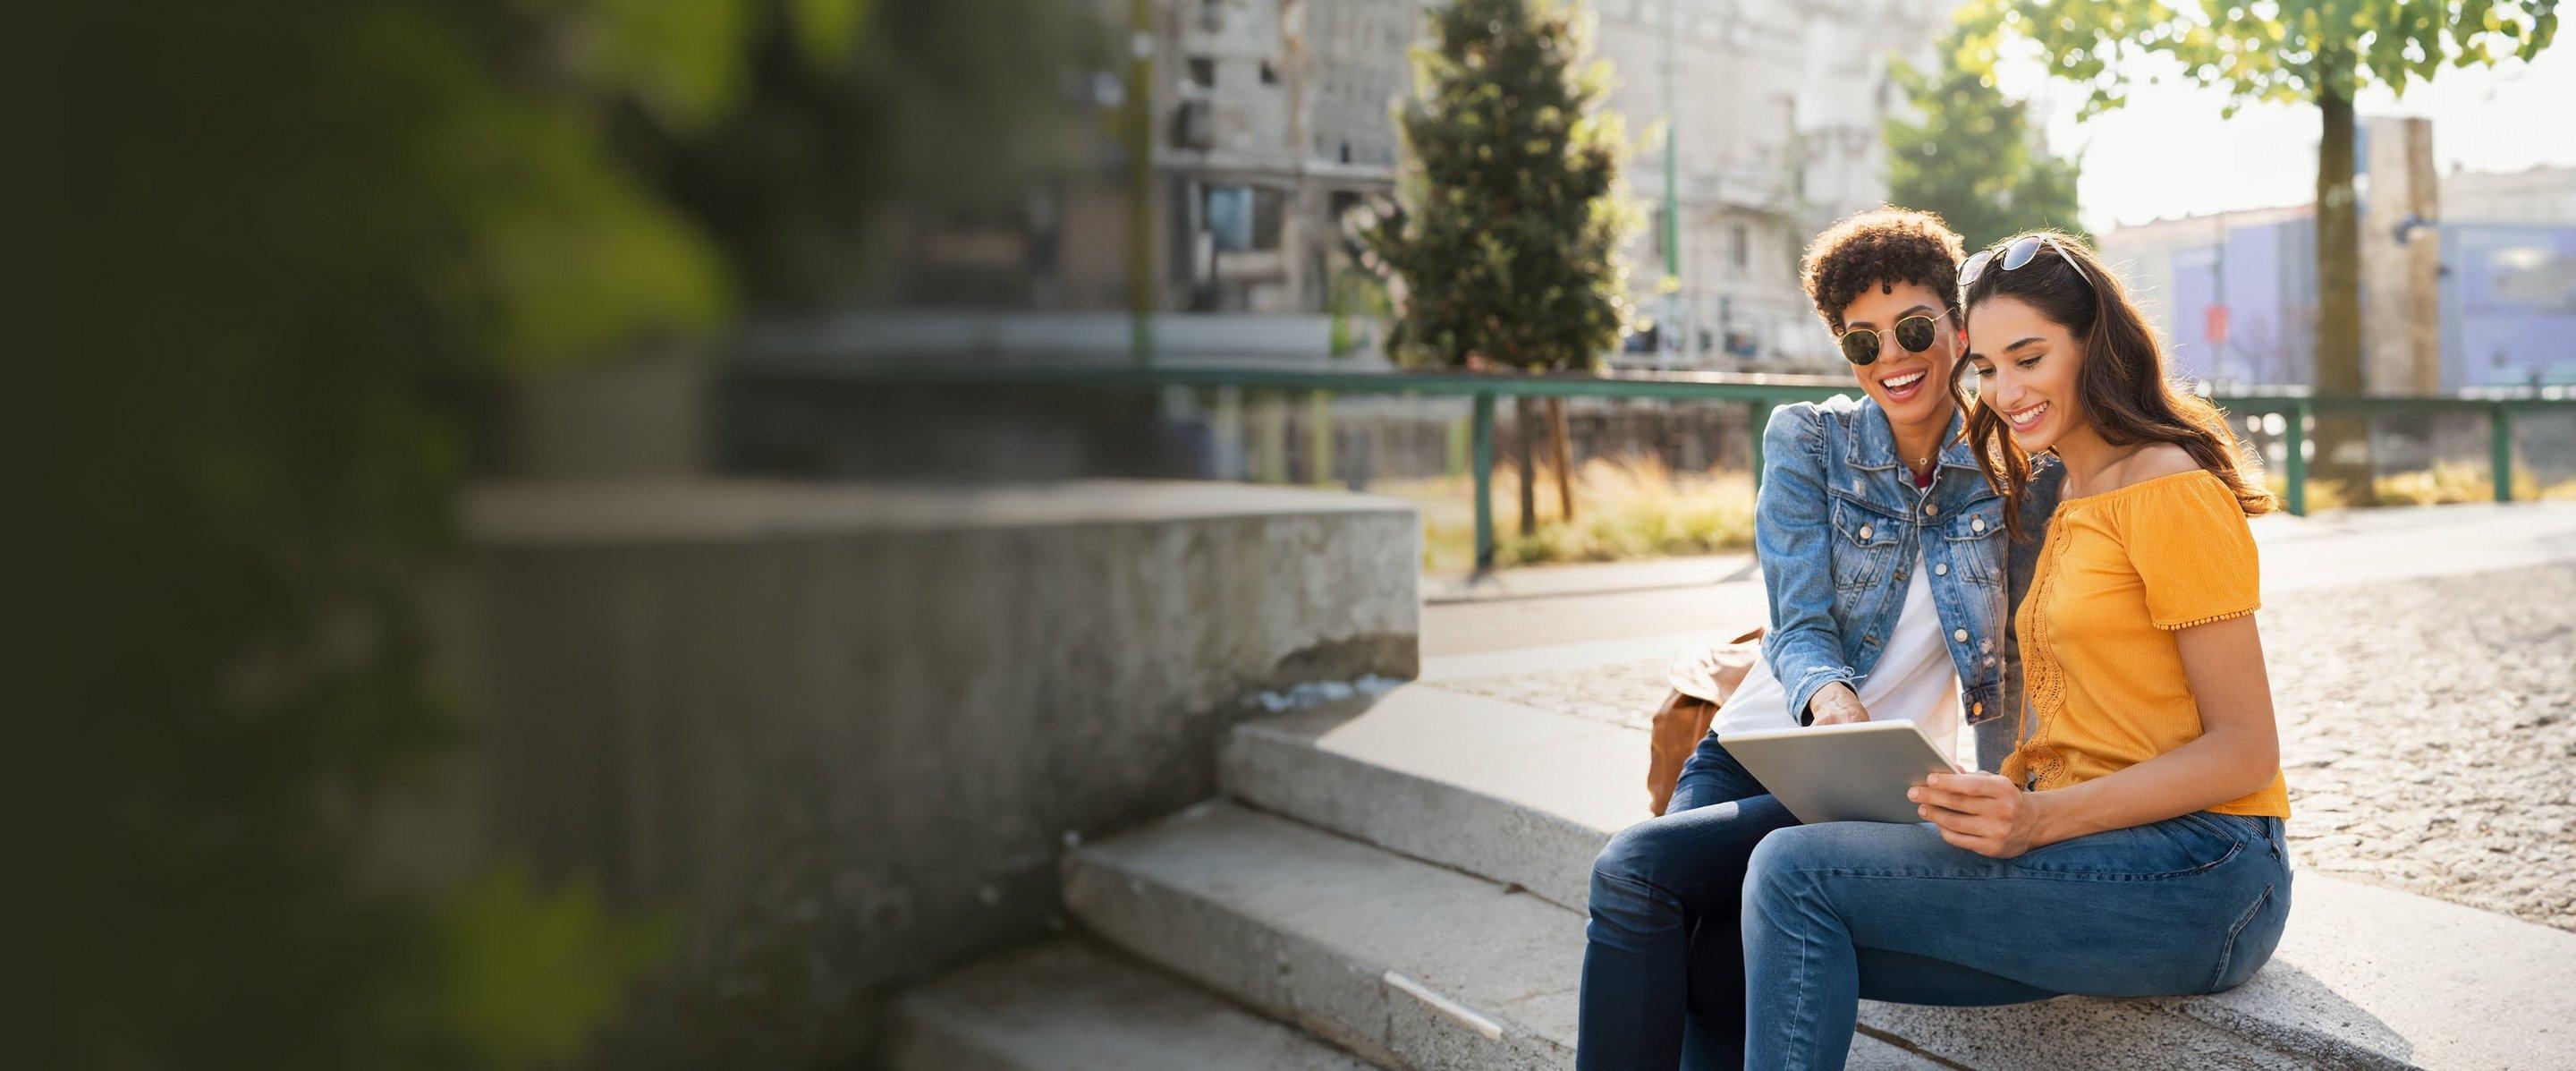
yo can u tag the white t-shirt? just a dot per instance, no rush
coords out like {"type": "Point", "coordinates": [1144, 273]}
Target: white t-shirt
{"type": "Point", "coordinates": [1913, 681]}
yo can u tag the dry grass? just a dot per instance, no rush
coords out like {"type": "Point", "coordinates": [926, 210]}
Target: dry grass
{"type": "Point", "coordinates": [2445, 482]}
{"type": "Point", "coordinates": [1628, 507]}
{"type": "Point", "coordinates": [1635, 507]}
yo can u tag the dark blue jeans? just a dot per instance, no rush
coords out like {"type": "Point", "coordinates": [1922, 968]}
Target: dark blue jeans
{"type": "Point", "coordinates": [1663, 970]}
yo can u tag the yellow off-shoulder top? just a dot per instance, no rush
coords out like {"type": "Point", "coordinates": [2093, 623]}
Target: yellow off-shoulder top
{"type": "Point", "coordinates": [2120, 572]}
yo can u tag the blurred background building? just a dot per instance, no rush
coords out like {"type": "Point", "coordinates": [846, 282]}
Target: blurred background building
{"type": "Point", "coordinates": [2235, 292]}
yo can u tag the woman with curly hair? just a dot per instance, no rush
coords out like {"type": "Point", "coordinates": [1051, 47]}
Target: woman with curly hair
{"type": "Point", "coordinates": [1890, 577]}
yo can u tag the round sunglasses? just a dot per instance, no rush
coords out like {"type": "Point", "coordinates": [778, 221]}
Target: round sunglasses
{"type": "Point", "coordinates": [1915, 333]}
{"type": "Point", "coordinates": [2016, 255]}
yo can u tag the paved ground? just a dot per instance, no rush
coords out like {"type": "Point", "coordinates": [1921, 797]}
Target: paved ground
{"type": "Point", "coordinates": [2423, 665]}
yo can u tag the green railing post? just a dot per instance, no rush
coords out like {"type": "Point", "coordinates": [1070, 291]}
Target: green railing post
{"type": "Point", "coordinates": [2294, 459]}
{"type": "Point", "coordinates": [1319, 443]}
{"type": "Point", "coordinates": [2500, 427]}
{"type": "Point", "coordinates": [1756, 421]}
{"type": "Point", "coordinates": [1483, 463]}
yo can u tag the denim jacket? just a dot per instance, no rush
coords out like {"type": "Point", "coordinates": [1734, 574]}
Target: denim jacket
{"type": "Point", "coordinates": [1837, 527]}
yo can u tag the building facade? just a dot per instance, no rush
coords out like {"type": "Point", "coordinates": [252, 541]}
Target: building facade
{"type": "Point", "coordinates": [1777, 110]}
{"type": "Point", "coordinates": [2235, 293]}
{"type": "Point", "coordinates": [1274, 118]}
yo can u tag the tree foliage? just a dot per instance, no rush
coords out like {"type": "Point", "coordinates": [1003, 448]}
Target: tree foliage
{"type": "Point", "coordinates": [1509, 236]}
{"type": "Point", "coordinates": [2268, 50]}
{"type": "Point", "coordinates": [273, 237]}
{"type": "Point", "coordinates": [1973, 155]}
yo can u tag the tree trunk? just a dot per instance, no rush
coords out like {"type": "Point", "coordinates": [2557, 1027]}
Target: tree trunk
{"type": "Point", "coordinates": [1523, 415]}
{"type": "Point", "coordinates": [2342, 439]}
{"type": "Point", "coordinates": [1561, 445]}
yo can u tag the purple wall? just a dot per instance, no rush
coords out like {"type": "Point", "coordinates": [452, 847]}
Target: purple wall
{"type": "Point", "coordinates": [2508, 305]}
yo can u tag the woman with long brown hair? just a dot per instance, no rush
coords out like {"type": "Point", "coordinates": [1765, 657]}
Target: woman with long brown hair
{"type": "Point", "coordinates": [2132, 844]}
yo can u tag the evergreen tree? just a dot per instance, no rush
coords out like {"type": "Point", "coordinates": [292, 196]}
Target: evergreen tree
{"type": "Point", "coordinates": [1972, 155]}
{"type": "Point", "coordinates": [1508, 240]}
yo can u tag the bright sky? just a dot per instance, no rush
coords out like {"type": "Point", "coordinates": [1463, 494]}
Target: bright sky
{"type": "Point", "coordinates": [2167, 153]}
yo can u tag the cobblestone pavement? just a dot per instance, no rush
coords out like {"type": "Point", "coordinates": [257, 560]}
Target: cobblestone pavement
{"type": "Point", "coordinates": [2428, 731]}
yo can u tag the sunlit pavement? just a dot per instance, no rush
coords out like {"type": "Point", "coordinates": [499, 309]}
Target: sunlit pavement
{"type": "Point", "coordinates": [1567, 616]}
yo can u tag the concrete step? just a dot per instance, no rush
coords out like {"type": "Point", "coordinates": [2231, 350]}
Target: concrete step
{"type": "Point", "coordinates": [1407, 964]}
{"type": "Point", "coordinates": [1500, 790]}
{"type": "Point", "coordinates": [1527, 797]}
{"type": "Point", "coordinates": [1067, 1004]}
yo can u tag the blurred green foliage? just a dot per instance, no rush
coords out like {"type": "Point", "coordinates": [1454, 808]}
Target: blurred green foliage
{"type": "Point", "coordinates": [273, 252]}
{"type": "Point", "coordinates": [1973, 155]}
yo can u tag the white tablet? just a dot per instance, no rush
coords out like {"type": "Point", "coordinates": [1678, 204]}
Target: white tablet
{"type": "Point", "coordinates": [1853, 772]}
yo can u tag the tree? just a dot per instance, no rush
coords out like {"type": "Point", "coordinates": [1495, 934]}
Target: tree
{"type": "Point", "coordinates": [2315, 51]}
{"type": "Point", "coordinates": [1508, 241]}
{"type": "Point", "coordinates": [1973, 156]}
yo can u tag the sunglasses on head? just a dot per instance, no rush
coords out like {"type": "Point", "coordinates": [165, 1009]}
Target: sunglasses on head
{"type": "Point", "coordinates": [2016, 255]}
{"type": "Point", "coordinates": [1915, 333]}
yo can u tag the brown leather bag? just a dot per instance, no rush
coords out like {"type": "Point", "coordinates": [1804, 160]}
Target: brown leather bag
{"type": "Point", "coordinates": [1701, 682]}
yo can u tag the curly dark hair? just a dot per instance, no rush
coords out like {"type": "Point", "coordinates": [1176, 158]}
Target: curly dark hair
{"type": "Point", "coordinates": [1881, 247]}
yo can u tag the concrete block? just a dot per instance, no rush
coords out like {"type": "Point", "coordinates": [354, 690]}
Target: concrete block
{"type": "Point", "coordinates": [1066, 1005]}
{"type": "Point", "coordinates": [843, 732]}
{"type": "Point", "coordinates": [1402, 962]}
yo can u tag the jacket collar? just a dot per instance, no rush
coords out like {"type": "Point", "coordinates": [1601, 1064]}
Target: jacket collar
{"type": "Point", "coordinates": [1872, 444]}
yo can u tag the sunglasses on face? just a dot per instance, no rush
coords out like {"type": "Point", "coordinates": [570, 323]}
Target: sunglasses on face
{"type": "Point", "coordinates": [2016, 255]}
{"type": "Point", "coordinates": [1915, 333]}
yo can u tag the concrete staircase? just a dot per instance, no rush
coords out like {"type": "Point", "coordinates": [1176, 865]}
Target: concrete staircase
{"type": "Point", "coordinates": [1399, 878]}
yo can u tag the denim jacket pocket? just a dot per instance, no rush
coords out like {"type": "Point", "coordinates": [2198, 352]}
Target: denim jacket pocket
{"type": "Point", "coordinates": [1977, 543]}
{"type": "Point", "coordinates": [1864, 549]}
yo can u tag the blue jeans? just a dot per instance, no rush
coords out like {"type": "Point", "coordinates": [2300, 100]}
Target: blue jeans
{"type": "Point", "coordinates": [1841, 911]}
{"type": "Point", "coordinates": [1726, 895]}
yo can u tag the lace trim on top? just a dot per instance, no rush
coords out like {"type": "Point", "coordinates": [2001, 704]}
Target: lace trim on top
{"type": "Point", "coordinates": [2043, 679]}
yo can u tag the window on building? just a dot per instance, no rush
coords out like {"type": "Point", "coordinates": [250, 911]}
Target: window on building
{"type": "Point", "coordinates": [1202, 72]}
{"type": "Point", "coordinates": [1269, 74]}
{"type": "Point", "coordinates": [1244, 218]}
{"type": "Point", "coordinates": [1739, 246]}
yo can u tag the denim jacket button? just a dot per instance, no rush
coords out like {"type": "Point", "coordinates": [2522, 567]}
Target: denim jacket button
{"type": "Point", "coordinates": [1864, 531]}
{"type": "Point", "coordinates": [1940, 568]}
{"type": "Point", "coordinates": [1931, 509]}
{"type": "Point", "coordinates": [1960, 635]}
{"type": "Point", "coordinates": [1977, 525]}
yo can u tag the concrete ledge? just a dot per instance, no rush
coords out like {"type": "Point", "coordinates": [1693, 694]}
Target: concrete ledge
{"type": "Point", "coordinates": [1496, 789]}
{"type": "Point", "coordinates": [2364, 977]}
{"type": "Point", "coordinates": [1066, 1006]}
{"type": "Point", "coordinates": [1404, 963]}
{"type": "Point", "coordinates": [843, 732]}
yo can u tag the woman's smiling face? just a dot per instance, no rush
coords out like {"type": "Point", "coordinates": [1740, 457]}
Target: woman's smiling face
{"type": "Point", "coordinates": [2024, 367]}
{"type": "Point", "coordinates": [1907, 385]}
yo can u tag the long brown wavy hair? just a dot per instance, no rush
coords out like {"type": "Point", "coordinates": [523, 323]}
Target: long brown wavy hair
{"type": "Point", "coordinates": [2123, 387]}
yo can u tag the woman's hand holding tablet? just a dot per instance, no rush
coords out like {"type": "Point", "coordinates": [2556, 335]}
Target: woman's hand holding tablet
{"type": "Point", "coordinates": [1982, 812]}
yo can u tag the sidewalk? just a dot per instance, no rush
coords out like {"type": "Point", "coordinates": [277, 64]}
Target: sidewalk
{"type": "Point", "coordinates": [1562, 616]}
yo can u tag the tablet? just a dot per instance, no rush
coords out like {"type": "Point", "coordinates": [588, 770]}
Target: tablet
{"type": "Point", "coordinates": [1852, 772]}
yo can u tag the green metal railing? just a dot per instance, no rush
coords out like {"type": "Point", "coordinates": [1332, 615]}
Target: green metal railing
{"type": "Point", "coordinates": [1760, 393]}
